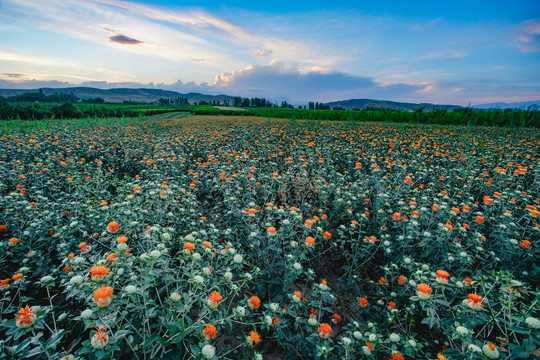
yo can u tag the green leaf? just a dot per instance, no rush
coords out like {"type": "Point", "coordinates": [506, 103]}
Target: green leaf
{"type": "Point", "coordinates": [519, 330]}
{"type": "Point", "coordinates": [55, 339]}
{"type": "Point", "coordinates": [35, 351]}
{"type": "Point", "coordinates": [430, 321]}
{"type": "Point", "coordinates": [195, 350]}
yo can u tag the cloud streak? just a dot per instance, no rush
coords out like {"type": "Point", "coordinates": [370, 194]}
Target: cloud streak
{"type": "Point", "coordinates": [529, 37]}
{"type": "Point", "coordinates": [126, 40]}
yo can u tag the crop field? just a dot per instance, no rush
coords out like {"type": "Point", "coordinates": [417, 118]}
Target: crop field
{"type": "Point", "coordinates": [239, 237]}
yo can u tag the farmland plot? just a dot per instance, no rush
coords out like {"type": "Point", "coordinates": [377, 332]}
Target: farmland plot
{"type": "Point", "coordinates": [251, 238]}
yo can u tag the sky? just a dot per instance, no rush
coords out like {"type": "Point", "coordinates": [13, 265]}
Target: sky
{"type": "Point", "coordinates": [459, 52]}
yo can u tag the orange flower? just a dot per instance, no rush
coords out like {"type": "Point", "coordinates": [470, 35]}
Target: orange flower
{"type": "Point", "coordinates": [397, 216]}
{"type": "Point", "coordinates": [271, 230]}
{"type": "Point", "coordinates": [113, 227]}
{"type": "Point", "coordinates": [383, 281]}
{"type": "Point", "coordinates": [525, 244]}
{"type": "Point", "coordinates": [402, 280]}
{"type": "Point", "coordinates": [396, 356]}
{"type": "Point", "coordinates": [363, 302]}
{"type": "Point", "coordinates": [100, 339]}
{"type": "Point", "coordinates": [298, 294]}
{"type": "Point", "coordinates": [13, 241]}
{"type": "Point", "coordinates": [84, 247]}
{"type": "Point", "coordinates": [189, 247]}
{"type": "Point", "coordinates": [479, 219]}
{"type": "Point", "coordinates": [25, 318]}
{"type": "Point", "coordinates": [215, 298]}
{"type": "Point", "coordinates": [207, 244]}
{"type": "Point", "coordinates": [308, 223]}
{"type": "Point", "coordinates": [103, 296]}
{"type": "Point", "coordinates": [209, 332]}
{"type": "Point", "coordinates": [391, 305]}
{"type": "Point", "coordinates": [17, 276]}
{"type": "Point", "coordinates": [442, 277]}
{"type": "Point", "coordinates": [254, 302]}
{"type": "Point", "coordinates": [112, 257]}
{"type": "Point", "coordinates": [467, 281]}
{"type": "Point", "coordinates": [474, 302]}
{"type": "Point", "coordinates": [4, 284]}
{"type": "Point", "coordinates": [122, 239]}
{"type": "Point", "coordinates": [336, 319]}
{"type": "Point", "coordinates": [441, 357]}
{"type": "Point", "coordinates": [327, 235]}
{"type": "Point", "coordinates": [253, 338]}
{"type": "Point", "coordinates": [324, 330]}
{"type": "Point", "coordinates": [424, 291]}
{"type": "Point", "coordinates": [3, 228]}
{"type": "Point", "coordinates": [310, 241]}
{"type": "Point", "coordinates": [99, 272]}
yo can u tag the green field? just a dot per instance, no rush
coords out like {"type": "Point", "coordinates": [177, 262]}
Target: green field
{"type": "Point", "coordinates": [466, 116]}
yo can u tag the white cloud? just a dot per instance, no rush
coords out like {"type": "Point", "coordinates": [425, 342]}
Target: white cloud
{"type": "Point", "coordinates": [447, 54]}
{"type": "Point", "coordinates": [528, 38]}
{"type": "Point", "coordinates": [178, 36]}
{"type": "Point", "coordinates": [93, 21]}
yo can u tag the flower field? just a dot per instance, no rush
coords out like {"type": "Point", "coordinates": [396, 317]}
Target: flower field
{"type": "Point", "coordinates": [251, 238]}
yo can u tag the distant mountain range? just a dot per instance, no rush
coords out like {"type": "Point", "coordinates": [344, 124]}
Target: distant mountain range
{"type": "Point", "coordinates": [150, 95]}
{"type": "Point", "coordinates": [391, 105]}
{"type": "Point", "coordinates": [121, 94]}
{"type": "Point", "coordinates": [517, 105]}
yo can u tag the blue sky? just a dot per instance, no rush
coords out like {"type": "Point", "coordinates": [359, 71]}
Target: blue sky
{"type": "Point", "coordinates": [457, 52]}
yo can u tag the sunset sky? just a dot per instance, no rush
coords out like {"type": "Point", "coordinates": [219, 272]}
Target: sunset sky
{"type": "Point", "coordinates": [456, 52]}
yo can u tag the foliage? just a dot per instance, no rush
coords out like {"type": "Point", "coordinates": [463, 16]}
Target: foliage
{"type": "Point", "coordinates": [56, 97]}
{"type": "Point", "coordinates": [41, 111]}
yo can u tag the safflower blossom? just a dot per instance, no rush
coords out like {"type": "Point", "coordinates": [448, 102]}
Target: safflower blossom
{"type": "Point", "coordinates": [324, 330]}
{"type": "Point", "coordinates": [490, 351]}
{"type": "Point", "coordinates": [97, 273]}
{"type": "Point", "coordinates": [113, 227]}
{"type": "Point", "coordinates": [254, 302]}
{"type": "Point", "coordinates": [214, 299]}
{"type": "Point", "coordinates": [103, 296]}
{"type": "Point", "coordinates": [26, 317]}
{"type": "Point", "coordinates": [253, 338]}
{"type": "Point", "coordinates": [474, 302]}
{"type": "Point", "coordinates": [442, 277]}
{"type": "Point", "coordinates": [210, 332]}
{"type": "Point", "coordinates": [100, 339]}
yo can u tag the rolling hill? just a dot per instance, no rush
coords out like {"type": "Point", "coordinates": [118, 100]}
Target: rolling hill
{"type": "Point", "coordinates": [121, 94]}
{"type": "Point", "coordinates": [385, 104]}
{"type": "Point", "coordinates": [118, 95]}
